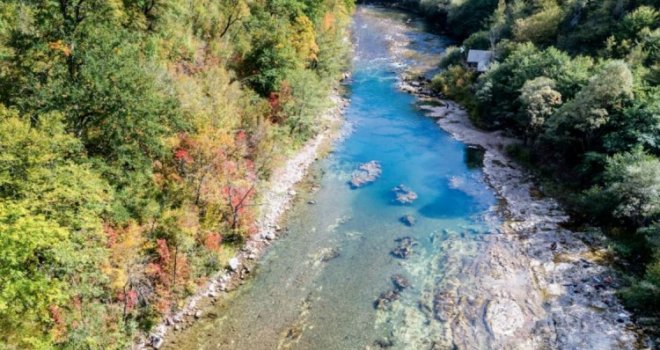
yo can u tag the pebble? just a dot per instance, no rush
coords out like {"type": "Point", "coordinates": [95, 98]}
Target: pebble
{"type": "Point", "coordinates": [233, 264]}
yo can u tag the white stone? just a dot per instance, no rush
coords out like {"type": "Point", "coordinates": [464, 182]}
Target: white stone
{"type": "Point", "coordinates": [234, 264]}
{"type": "Point", "coordinates": [555, 289]}
{"type": "Point", "coordinates": [504, 317]}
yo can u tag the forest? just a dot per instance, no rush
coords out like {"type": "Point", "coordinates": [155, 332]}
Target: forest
{"type": "Point", "coordinates": [134, 135]}
{"type": "Point", "coordinates": [577, 81]}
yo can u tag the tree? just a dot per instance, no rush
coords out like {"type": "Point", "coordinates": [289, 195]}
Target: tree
{"type": "Point", "coordinates": [540, 28]}
{"type": "Point", "coordinates": [633, 181]}
{"type": "Point", "coordinates": [590, 110]}
{"type": "Point", "coordinates": [637, 125]}
{"type": "Point", "coordinates": [29, 246]}
{"type": "Point", "coordinates": [539, 100]}
{"type": "Point", "coordinates": [58, 203]}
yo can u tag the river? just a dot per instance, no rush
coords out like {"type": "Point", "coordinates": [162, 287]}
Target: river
{"type": "Point", "coordinates": [302, 299]}
{"type": "Point", "coordinates": [317, 286]}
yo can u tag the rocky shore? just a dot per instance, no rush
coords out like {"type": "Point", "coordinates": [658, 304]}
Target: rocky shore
{"type": "Point", "coordinates": [536, 284]}
{"type": "Point", "coordinates": [277, 195]}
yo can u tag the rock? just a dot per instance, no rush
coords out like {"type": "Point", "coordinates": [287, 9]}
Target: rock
{"type": "Point", "coordinates": [597, 304]}
{"type": "Point", "coordinates": [385, 299]}
{"type": "Point", "coordinates": [346, 77]}
{"type": "Point", "coordinates": [384, 343]}
{"type": "Point", "coordinates": [405, 248]}
{"type": "Point", "coordinates": [408, 220]}
{"type": "Point", "coordinates": [504, 317]}
{"type": "Point", "coordinates": [269, 236]}
{"type": "Point", "coordinates": [400, 282]}
{"type": "Point", "coordinates": [292, 193]}
{"type": "Point", "coordinates": [156, 341]}
{"type": "Point", "coordinates": [443, 306]}
{"type": "Point", "coordinates": [329, 254]}
{"type": "Point", "coordinates": [365, 174]}
{"type": "Point", "coordinates": [407, 88]}
{"type": "Point", "coordinates": [311, 202]}
{"type": "Point", "coordinates": [234, 264]}
{"type": "Point", "coordinates": [404, 195]}
{"type": "Point", "coordinates": [555, 289]}
{"type": "Point", "coordinates": [198, 314]}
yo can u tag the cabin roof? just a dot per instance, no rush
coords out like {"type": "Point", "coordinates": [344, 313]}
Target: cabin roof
{"type": "Point", "coordinates": [481, 57]}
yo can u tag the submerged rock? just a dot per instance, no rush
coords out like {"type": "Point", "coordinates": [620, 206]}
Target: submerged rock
{"type": "Point", "coordinates": [384, 343]}
{"type": "Point", "coordinates": [405, 248]}
{"type": "Point", "coordinates": [400, 282]}
{"type": "Point", "coordinates": [404, 195]}
{"type": "Point", "coordinates": [329, 254]}
{"type": "Point", "coordinates": [408, 220]}
{"type": "Point", "coordinates": [386, 298]}
{"type": "Point", "coordinates": [365, 174]}
{"type": "Point", "coordinates": [443, 306]}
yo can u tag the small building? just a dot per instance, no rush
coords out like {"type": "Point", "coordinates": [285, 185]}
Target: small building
{"type": "Point", "coordinates": [480, 59]}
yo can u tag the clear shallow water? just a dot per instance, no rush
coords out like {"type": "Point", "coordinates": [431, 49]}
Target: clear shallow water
{"type": "Point", "coordinates": [300, 299]}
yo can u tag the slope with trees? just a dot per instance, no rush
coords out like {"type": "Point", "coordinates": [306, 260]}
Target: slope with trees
{"type": "Point", "coordinates": [133, 138]}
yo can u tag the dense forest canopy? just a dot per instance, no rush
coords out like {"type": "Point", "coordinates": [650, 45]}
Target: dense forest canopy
{"type": "Point", "coordinates": [133, 135]}
{"type": "Point", "coordinates": [578, 82]}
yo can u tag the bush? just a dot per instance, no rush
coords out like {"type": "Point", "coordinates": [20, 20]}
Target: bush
{"type": "Point", "coordinates": [456, 84]}
{"type": "Point", "coordinates": [452, 56]}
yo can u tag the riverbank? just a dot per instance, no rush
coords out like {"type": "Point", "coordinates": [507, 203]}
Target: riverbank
{"type": "Point", "coordinates": [276, 197]}
{"type": "Point", "coordinates": [541, 285]}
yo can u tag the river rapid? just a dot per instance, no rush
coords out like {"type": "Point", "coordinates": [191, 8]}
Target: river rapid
{"type": "Point", "coordinates": [334, 279]}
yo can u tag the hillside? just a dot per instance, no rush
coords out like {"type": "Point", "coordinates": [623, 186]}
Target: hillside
{"type": "Point", "coordinates": [134, 136]}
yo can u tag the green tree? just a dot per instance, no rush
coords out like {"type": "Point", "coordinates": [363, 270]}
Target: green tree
{"type": "Point", "coordinates": [585, 115]}
{"type": "Point", "coordinates": [632, 180]}
{"type": "Point", "coordinates": [29, 246]}
{"type": "Point", "coordinates": [539, 100]}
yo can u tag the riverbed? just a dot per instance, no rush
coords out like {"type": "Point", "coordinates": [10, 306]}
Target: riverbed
{"type": "Point", "coordinates": [335, 279]}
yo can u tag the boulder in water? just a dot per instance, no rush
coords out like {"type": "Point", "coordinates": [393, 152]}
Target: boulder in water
{"type": "Point", "coordinates": [404, 195]}
{"type": "Point", "coordinates": [365, 174]}
{"type": "Point", "coordinates": [400, 282]}
{"type": "Point", "coordinates": [408, 220]}
{"type": "Point", "coordinates": [405, 247]}
{"type": "Point", "coordinates": [386, 298]}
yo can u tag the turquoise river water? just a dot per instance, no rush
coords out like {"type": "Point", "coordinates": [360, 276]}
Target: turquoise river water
{"type": "Point", "coordinates": [316, 286]}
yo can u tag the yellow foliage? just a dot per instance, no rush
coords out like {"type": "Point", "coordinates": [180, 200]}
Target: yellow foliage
{"type": "Point", "coordinates": [304, 38]}
{"type": "Point", "coordinates": [328, 21]}
{"type": "Point", "coordinates": [540, 28]}
{"type": "Point", "coordinates": [125, 245]}
{"type": "Point", "coordinates": [60, 46]}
